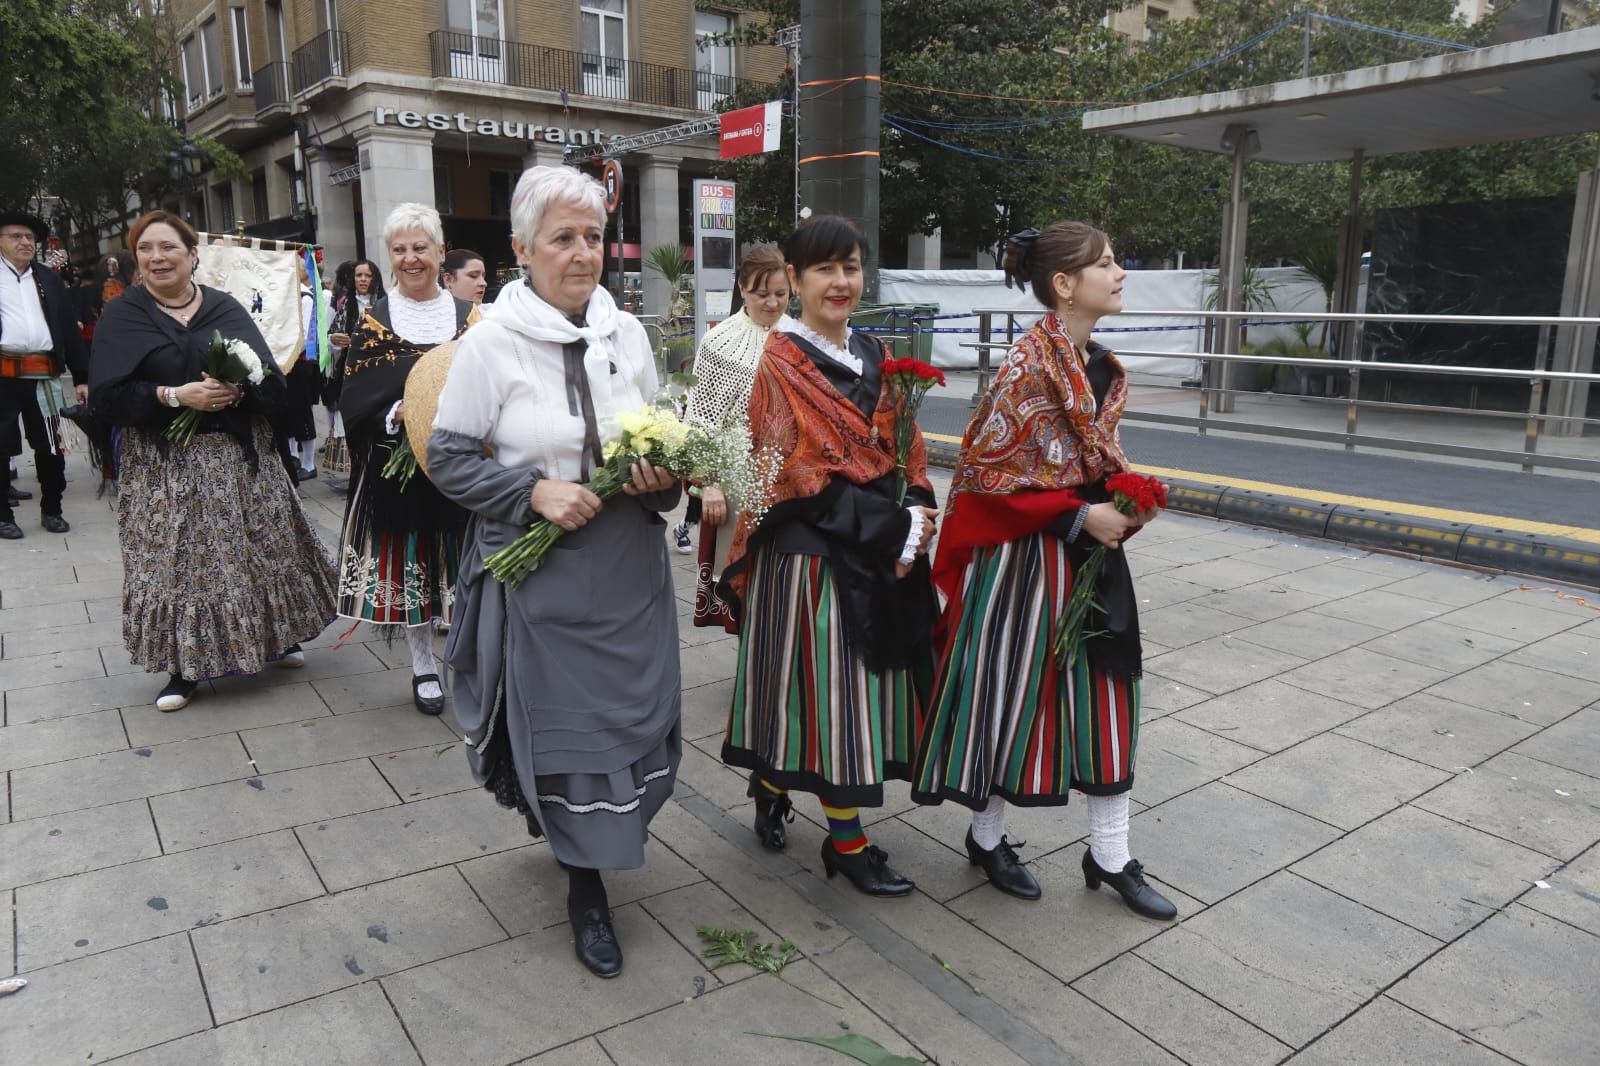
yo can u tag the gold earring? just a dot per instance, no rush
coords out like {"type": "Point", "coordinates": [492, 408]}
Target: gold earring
{"type": "Point", "coordinates": [1069, 303]}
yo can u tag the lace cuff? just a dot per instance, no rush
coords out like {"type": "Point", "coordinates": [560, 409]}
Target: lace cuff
{"type": "Point", "coordinates": [914, 537]}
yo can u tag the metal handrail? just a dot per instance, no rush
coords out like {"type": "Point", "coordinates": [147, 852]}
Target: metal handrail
{"type": "Point", "coordinates": [1329, 316]}
{"type": "Point", "coordinates": [1529, 457]}
{"type": "Point", "coordinates": [271, 85]}
{"type": "Point", "coordinates": [506, 62]}
{"type": "Point", "coordinates": [327, 55]}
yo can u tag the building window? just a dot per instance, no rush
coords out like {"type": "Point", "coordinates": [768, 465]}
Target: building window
{"type": "Point", "coordinates": [258, 195]}
{"type": "Point", "coordinates": [225, 215]}
{"type": "Point", "coordinates": [444, 191]}
{"type": "Point", "coordinates": [477, 39]}
{"type": "Point", "coordinates": [194, 78]}
{"type": "Point", "coordinates": [713, 58]}
{"type": "Point", "coordinates": [1155, 21]}
{"type": "Point", "coordinates": [502, 183]}
{"type": "Point", "coordinates": [211, 54]}
{"type": "Point", "coordinates": [241, 48]}
{"type": "Point", "coordinates": [604, 40]}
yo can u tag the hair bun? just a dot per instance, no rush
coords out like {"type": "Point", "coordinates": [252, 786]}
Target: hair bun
{"type": "Point", "coordinates": [1015, 263]}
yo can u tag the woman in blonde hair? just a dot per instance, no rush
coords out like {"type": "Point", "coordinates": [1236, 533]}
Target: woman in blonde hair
{"type": "Point", "coordinates": [1027, 506]}
{"type": "Point", "coordinates": [724, 370]}
{"type": "Point", "coordinates": [401, 539]}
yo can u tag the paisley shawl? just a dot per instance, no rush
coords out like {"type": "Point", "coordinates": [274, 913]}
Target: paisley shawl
{"type": "Point", "coordinates": [817, 435]}
{"type": "Point", "coordinates": [1037, 428]}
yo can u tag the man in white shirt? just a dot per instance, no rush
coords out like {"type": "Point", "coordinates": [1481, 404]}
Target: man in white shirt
{"type": "Point", "coordinates": [39, 341]}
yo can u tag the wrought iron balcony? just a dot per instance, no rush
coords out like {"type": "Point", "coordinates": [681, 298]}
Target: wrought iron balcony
{"type": "Point", "coordinates": [271, 84]}
{"type": "Point", "coordinates": [325, 56]}
{"type": "Point", "coordinates": [527, 66]}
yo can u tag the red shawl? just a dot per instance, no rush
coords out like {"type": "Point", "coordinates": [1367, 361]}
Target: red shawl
{"type": "Point", "coordinates": [817, 435]}
{"type": "Point", "coordinates": [1034, 440]}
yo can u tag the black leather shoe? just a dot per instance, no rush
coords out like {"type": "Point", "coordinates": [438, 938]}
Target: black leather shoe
{"type": "Point", "coordinates": [10, 531]}
{"type": "Point", "coordinates": [595, 942]}
{"type": "Point", "coordinates": [308, 473]}
{"type": "Point", "coordinates": [868, 869]}
{"type": "Point", "coordinates": [1131, 886]}
{"type": "Point", "coordinates": [16, 495]}
{"type": "Point", "coordinates": [54, 523]}
{"type": "Point", "coordinates": [425, 704]}
{"type": "Point", "coordinates": [1003, 869]}
{"type": "Point", "coordinates": [772, 810]}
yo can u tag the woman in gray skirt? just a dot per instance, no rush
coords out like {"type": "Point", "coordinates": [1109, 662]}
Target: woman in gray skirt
{"type": "Point", "coordinates": [567, 685]}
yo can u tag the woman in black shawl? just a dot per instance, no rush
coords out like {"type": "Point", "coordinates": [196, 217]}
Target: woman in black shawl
{"type": "Point", "coordinates": [402, 539]}
{"type": "Point", "coordinates": [222, 572]}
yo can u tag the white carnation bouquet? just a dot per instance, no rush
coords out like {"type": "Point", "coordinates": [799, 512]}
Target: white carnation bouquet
{"type": "Point", "coordinates": [718, 455]}
{"type": "Point", "coordinates": [227, 360]}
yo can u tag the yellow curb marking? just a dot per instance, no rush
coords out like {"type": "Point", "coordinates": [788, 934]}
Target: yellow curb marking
{"type": "Point", "coordinates": [1473, 518]}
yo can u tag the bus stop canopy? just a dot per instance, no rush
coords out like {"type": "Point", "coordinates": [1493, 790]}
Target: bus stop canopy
{"type": "Point", "coordinates": [1541, 87]}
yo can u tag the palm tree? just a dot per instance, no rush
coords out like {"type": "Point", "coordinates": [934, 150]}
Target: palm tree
{"type": "Point", "coordinates": [669, 261]}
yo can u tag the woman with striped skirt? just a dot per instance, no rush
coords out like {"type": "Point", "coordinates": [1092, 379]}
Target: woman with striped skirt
{"type": "Point", "coordinates": [831, 580]}
{"type": "Point", "coordinates": [1027, 506]}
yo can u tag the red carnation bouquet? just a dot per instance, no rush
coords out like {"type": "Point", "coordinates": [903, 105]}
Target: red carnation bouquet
{"type": "Point", "coordinates": [908, 381]}
{"type": "Point", "coordinates": [1130, 494]}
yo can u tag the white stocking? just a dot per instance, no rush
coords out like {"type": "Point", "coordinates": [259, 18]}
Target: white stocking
{"type": "Point", "coordinates": [420, 640]}
{"type": "Point", "coordinates": [989, 824]}
{"type": "Point", "coordinates": [1108, 831]}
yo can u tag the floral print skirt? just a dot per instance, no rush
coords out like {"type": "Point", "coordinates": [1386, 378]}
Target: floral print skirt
{"type": "Point", "coordinates": [222, 570]}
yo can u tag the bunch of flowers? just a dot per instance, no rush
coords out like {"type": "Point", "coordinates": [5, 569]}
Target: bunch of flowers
{"type": "Point", "coordinates": [720, 455]}
{"type": "Point", "coordinates": [1130, 494]}
{"type": "Point", "coordinates": [230, 361]}
{"type": "Point", "coordinates": [908, 381]}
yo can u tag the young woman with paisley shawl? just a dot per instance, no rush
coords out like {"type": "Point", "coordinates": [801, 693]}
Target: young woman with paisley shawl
{"type": "Point", "coordinates": [1028, 504]}
{"type": "Point", "coordinates": [831, 582]}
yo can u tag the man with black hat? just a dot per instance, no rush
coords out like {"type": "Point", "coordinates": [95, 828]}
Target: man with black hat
{"type": "Point", "coordinates": [39, 341]}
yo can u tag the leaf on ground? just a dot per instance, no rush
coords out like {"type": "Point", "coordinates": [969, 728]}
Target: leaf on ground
{"type": "Point", "coordinates": [858, 1047]}
{"type": "Point", "coordinates": [731, 946]}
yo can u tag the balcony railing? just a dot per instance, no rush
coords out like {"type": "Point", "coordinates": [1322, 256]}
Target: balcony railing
{"type": "Point", "coordinates": [271, 84]}
{"type": "Point", "coordinates": [324, 56]}
{"type": "Point", "coordinates": [528, 66]}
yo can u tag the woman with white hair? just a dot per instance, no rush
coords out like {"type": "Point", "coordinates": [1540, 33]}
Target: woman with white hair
{"type": "Point", "coordinates": [567, 685]}
{"type": "Point", "coordinates": [401, 539]}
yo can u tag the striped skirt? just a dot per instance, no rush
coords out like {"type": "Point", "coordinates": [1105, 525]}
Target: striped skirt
{"type": "Point", "coordinates": [807, 713]}
{"type": "Point", "coordinates": [1006, 719]}
{"type": "Point", "coordinates": [401, 577]}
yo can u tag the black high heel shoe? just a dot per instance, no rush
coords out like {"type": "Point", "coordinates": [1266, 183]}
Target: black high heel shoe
{"type": "Point", "coordinates": [1003, 869]}
{"type": "Point", "coordinates": [594, 941]}
{"type": "Point", "coordinates": [773, 809]}
{"type": "Point", "coordinates": [1131, 886]}
{"type": "Point", "coordinates": [867, 869]}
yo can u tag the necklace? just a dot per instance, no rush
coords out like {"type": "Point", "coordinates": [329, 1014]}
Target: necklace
{"type": "Point", "coordinates": [194, 293]}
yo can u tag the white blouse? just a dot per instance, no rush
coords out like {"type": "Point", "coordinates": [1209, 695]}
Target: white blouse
{"type": "Point", "coordinates": [511, 391]}
{"type": "Point", "coordinates": [423, 322]}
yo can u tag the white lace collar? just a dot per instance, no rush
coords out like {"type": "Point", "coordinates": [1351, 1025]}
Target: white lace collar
{"type": "Point", "coordinates": [423, 321]}
{"type": "Point", "coordinates": [843, 356]}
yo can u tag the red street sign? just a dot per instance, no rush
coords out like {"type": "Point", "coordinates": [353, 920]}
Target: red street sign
{"type": "Point", "coordinates": [612, 180]}
{"type": "Point", "coordinates": [751, 130]}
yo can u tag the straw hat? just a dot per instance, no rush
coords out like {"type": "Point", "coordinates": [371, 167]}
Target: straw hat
{"type": "Point", "coordinates": [423, 386]}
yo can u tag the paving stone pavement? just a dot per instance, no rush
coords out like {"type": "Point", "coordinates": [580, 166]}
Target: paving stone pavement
{"type": "Point", "coordinates": [1370, 784]}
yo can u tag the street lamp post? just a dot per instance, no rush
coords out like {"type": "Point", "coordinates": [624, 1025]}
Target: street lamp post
{"type": "Point", "coordinates": [185, 164]}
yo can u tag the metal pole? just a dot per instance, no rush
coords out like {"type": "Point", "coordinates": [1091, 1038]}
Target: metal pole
{"type": "Point", "coordinates": [1305, 55]}
{"type": "Point", "coordinates": [985, 335]}
{"type": "Point", "coordinates": [1351, 407]}
{"type": "Point", "coordinates": [1530, 440]}
{"type": "Point", "coordinates": [794, 55]}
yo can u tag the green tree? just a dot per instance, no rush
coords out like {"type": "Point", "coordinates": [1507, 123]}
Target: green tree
{"type": "Point", "coordinates": [79, 107]}
{"type": "Point", "coordinates": [1005, 163]}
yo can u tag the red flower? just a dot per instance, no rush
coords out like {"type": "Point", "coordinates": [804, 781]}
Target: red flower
{"type": "Point", "coordinates": [913, 368]}
{"type": "Point", "coordinates": [1141, 493]}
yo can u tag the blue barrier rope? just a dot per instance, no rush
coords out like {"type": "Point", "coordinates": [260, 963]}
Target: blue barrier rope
{"type": "Point", "coordinates": [905, 331]}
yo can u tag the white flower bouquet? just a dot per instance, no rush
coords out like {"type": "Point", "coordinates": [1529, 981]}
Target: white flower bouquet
{"type": "Point", "coordinates": [719, 455]}
{"type": "Point", "coordinates": [227, 360]}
